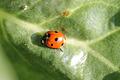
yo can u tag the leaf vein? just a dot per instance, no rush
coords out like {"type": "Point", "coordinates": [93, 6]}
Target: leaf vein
{"type": "Point", "coordinates": [103, 36]}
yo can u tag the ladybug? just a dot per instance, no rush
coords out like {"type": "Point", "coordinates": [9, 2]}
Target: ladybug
{"type": "Point", "coordinates": [54, 39]}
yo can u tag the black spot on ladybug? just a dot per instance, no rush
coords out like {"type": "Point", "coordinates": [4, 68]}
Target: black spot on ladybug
{"type": "Point", "coordinates": [56, 39]}
{"type": "Point", "coordinates": [51, 44]}
{"type": "Point", "coordinates": [62, 44]}
{"type": "Point", "coordinates": [56, 31]}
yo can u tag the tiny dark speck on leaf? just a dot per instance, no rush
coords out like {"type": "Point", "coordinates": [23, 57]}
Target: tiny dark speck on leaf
{"type": "Point", "coordinates": [65, 13]}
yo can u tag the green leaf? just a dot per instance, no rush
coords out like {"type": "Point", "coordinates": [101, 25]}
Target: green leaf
{"type": "Point", "coordinates": [92, 47]}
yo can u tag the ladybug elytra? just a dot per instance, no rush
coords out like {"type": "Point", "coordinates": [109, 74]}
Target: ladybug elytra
{"type": "Point", "coordinates": [53, 39]}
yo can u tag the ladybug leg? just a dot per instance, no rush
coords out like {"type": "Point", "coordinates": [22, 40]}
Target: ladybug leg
{"type": "Point", "coordinates": [61, 49]}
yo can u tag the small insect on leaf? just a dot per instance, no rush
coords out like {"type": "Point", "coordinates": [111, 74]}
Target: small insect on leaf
{"type": "Point", "coordinates": [65, 13]}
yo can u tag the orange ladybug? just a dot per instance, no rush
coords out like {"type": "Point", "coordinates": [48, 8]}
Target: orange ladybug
{"type": "Point", "coordinates": [53, 39]}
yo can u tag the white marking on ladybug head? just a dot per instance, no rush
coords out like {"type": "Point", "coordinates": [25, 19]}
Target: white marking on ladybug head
{"type": "Point", "coordinates": [43, 42]}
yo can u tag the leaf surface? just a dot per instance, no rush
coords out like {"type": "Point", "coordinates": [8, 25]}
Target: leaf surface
{"type": "Point", "coordinates": [92, 47]}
